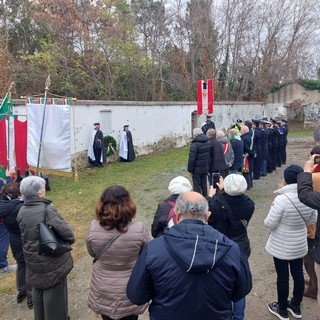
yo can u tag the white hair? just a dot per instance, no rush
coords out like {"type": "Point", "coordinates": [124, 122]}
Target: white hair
{"type": "Point", "coordinates": [197, 209]}
{"type": "Point", "coordinates": [220, 134]}
{"type": "Point", "coordinates": [31, 186]}
{"type": "Point", "coordinates": [196, 132]}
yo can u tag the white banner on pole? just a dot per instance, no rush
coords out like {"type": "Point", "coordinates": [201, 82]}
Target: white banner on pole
{"type": "Point", "coordinates": [56, 140]}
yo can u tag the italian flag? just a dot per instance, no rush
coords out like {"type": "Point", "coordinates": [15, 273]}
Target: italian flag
{"type": "Point", "coordinates": [7, 154]}
{"type": "Point", "coordinates": [13, 139]}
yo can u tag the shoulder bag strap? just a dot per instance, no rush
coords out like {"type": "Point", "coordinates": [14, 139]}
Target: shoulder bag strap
{"type": "Point", "coordinates": [230, 214]}
{"type": "Point", "coordinates": [106, 247]}
{"type": "Point", "coordinates": [296, 208]}
{"type": "Point", "coordinates": [45, 213]}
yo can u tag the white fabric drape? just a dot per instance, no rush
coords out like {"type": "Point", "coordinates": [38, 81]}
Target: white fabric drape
{"type": "Point", "coordinates": [56, 139]}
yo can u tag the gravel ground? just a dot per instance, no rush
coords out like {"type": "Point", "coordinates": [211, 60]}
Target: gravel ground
{"type": "Point", "coordinates": [264, 277]}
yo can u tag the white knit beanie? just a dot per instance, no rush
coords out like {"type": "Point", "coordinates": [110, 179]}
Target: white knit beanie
{"type": "Point", "coordinates": [234, 184]}
{"type": "Point", "coordinates": [179, 185]}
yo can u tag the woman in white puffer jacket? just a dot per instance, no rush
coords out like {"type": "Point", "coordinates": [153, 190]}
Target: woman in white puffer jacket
{"type": "Point", "coordinates": [287, 243]}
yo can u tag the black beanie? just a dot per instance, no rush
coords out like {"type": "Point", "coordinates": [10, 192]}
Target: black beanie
{"type": "Point", "coordinates": [291, 173]}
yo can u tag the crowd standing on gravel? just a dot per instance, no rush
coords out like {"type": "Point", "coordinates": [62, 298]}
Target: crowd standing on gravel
{"type": "Point", "coordinates": [196, 267]}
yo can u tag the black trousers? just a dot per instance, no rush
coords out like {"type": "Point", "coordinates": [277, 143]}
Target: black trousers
{"type": "Point", "coordinates": [296, 270]}
{"type": "Point", "coordinates": [97, 155]}
{"type": "Point", "coordinates": [199, 181]}
{"type": "Point", "coordinates": [283, 152]}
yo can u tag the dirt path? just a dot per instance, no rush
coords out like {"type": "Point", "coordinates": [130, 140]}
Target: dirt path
{"type": "Point", "coordinates": [264, 277]}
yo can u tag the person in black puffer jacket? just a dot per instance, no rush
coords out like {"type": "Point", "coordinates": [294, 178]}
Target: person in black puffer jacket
{"type": "Point", "coordinates": [231, 211]}
{"type": "Point", "coordinates": [160, 221]}
{"type": "Point", "coordinates": [199, 158]}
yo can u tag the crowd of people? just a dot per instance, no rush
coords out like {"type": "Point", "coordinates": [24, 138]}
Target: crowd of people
{"type": "Point", "coordinates": [197, 265]}
{"type": "Point", "coordinates": [254, 148]}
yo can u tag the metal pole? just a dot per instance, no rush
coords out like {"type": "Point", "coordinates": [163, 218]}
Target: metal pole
{"type": "Point", "coordinates": [76, 177]}
{"type": "Point", "coordinates": [8, 95]}
{"type": "Point", "coordinates": [4, 99]}
{"type": "Point", "coordinates": [48, 82]}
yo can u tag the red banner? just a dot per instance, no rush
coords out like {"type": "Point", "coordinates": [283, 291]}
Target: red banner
{"type": "Point", "coordinates": [3, 143]}
{"type": "Point", "coordinates": [20, 141]}
{"type": "Point", "coordinates": [210, 96]}
{"type": "Point", "coordinates": [205, 96]}
{"type": "Point", "coordinates": [199, 97]}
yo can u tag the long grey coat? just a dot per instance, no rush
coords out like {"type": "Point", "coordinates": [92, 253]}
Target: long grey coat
{"type": "Point", "coordinates": [110, 274]}
{"type": "Point", "coordinates": [43, 272]}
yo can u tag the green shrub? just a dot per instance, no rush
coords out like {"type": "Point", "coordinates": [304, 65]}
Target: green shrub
{"type": "Point", "coordinates": [310, 84]}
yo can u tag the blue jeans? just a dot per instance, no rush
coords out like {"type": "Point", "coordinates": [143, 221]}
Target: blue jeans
{"type": "Point", "coordinates": [238, 309]}
{"type": "Point", "coordinates": [4, 246]}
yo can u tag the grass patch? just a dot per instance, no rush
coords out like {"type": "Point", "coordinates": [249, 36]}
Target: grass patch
{"type": "Point", "coordinates": [146, 178]}
{"type": "Point", "coordinates": [300, 134]}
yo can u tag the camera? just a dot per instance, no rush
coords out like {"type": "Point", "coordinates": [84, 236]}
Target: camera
{"type": "Point", "coordinates": [317, 160]}
{"type": "Point", "coordinates": [215, 179]}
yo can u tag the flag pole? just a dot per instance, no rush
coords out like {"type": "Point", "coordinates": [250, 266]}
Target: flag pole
{"type": "Point", "coordinates": [8, 95]}
{"type": "Point", "coordinates": [48, 83]}
{"type": "Point", "coordinates": [76, 177]}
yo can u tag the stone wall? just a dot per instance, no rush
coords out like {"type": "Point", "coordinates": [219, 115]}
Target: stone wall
{"type": "Point", "coordinates": [302, 106]}
{"type": "Point", "coordinates": [155, 126]}
{"type": "Point", "coordinates": [293, 92]}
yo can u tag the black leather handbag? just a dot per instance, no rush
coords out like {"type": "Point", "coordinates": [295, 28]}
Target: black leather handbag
{"type": "Point", "coordinates": [50, 244]}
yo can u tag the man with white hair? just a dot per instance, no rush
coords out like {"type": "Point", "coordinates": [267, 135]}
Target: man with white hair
{"type": "Point", "coordinates": [193, 271]}
{"type": "Point", "coordinates": [198, 164]}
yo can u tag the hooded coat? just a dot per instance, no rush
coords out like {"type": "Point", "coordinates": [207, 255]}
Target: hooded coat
{"type": "Point", "coordinates": [191, 272]}
{"type": "Point", "coordinates": [288, 237]}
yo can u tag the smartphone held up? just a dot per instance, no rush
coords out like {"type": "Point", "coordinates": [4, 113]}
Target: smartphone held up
{"type": "Point", "coordinates": [215, 180]}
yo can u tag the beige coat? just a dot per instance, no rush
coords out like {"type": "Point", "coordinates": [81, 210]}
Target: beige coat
{"type": "Point", "coordinates": [110, 274]}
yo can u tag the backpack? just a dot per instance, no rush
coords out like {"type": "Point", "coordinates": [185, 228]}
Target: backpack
{"type": "Point", "coordinates": [172, 218]}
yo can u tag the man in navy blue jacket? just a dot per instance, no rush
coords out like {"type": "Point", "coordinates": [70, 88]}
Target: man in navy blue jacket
{"type": "Point", "coordinates": [192, 271]}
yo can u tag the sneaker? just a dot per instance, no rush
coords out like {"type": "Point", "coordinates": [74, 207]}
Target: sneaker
{"type": "Point", "coordinates": [280, 314]}
{"type": "Point", "coordinates": [30, 304]}
{"type": "Point", "coordinates": [21, 297]}
{"type": "Point", "coordinates": [295, 311]}
{"type": "Point", "coordinates": [8, 269]}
